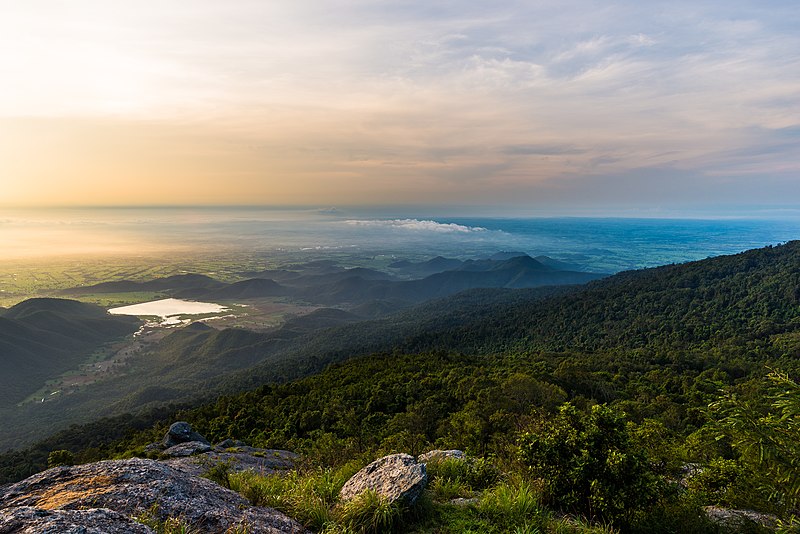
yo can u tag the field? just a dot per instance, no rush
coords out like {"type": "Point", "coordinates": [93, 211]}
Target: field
{"type": "Point", "coordinates": [22, 279]}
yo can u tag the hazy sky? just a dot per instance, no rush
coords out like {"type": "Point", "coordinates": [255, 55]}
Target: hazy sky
{"type": "Point", "coordinates": [536, 104]}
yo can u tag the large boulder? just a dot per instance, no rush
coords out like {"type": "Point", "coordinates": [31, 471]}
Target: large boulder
{"type": "Point", "coordinates": [29, 520]}
{"type": "Point", "coordinates": [134, 488]}
{"type": "Point", "coordinates": [397, 477]}
{"type": "Point", "coordinates": [262, 461]}
{"type": "Point", "coordinates": [740, 520]}
{"type": "Point", "coordinates": [181, 432]}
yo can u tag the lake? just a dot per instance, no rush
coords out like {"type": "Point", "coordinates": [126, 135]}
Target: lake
{"type": "Point", "coordinates": [169, 309]}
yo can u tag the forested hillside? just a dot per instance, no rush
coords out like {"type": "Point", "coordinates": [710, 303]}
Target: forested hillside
{"type": "Point", "coordinates": [42, 338]}
{"type": "Point", "coordinates": [684, 355]}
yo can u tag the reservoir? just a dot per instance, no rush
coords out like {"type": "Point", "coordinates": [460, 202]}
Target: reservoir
{"type": "Point", "coordinates": [169, 309]}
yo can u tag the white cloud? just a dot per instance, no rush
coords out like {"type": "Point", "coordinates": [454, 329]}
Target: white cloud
{"type": "Point", "coordinates": [416, 225]}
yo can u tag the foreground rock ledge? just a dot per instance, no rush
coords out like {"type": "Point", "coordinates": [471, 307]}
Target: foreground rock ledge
{"type": "Point", "coordinates": [397, 477]}
{"type": "Point", "coordinates": [123, 489]}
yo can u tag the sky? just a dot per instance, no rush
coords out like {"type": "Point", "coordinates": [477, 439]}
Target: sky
{"type": "Point", "coordinates": [623, 106]}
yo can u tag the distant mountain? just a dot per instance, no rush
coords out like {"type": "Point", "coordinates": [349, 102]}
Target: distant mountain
{"type": "Point", "coordinates": [557, 264]}
{"type": "Point", "coordinates": [426, 268]}
{"type": "Point", "coordinates": [505, 255]}
{"type": "Point", "coordinates": [310, 280]}
{"type": "Point", "coordinates": [182, 282]}
{"type": "Point", "coordinates": [247, 289]}
{"type": "Point", "coordinates": [325, 282]}
{"type": "Point", "coordinates": [44, 337]}
{"type": "Point", "coordinates": [739, 312]}
{"type": "Point", "coordinates": [319, 319]}
{"type": "Point", "coordinates": [517, 272]}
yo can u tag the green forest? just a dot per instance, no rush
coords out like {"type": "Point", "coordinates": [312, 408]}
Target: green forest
{"type": "Point", "coordinates": [628, 404]}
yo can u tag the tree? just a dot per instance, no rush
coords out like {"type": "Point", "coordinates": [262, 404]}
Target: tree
{"type": "Point", "coordinates": [589, 464]}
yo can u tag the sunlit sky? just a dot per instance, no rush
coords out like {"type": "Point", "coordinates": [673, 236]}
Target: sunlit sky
{"type": "Point", "coordinates": [546, 104]}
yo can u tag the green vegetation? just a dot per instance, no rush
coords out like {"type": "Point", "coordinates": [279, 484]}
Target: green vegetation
{"type": "Point", "coordinates": [590, 464]}
{"type": "Point", "coordinates": [59, 458]}
{"type": "Point", "coordinates": [42, 338]}
{"type": "Point", "coordinates": [630, 404]}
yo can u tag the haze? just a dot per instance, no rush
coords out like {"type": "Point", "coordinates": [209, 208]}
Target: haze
{"type": "Point", "coordinates": [544, 105]}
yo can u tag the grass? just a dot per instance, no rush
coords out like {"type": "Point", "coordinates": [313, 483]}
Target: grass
{"type": "Point", "coordinates": [312, 497]}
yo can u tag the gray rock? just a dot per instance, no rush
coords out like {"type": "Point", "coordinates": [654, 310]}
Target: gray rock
{"type": "Point", "coordinates": [398, 477]}
{"type": "Point", "coordinates": [261, 461]}
{"type": "Point", "coordinates": [181, 432]}
{"type": "Point", "coordinates": [153, 447]}
{"type": "Point", "coordinates": [738, 519]}
{"type": "Point", "coordinates": [29, 520]}
{"type": "Point", "coordinates": [190, 448]}
{"type": "Point", "coordinates": [230, 443]}
{"type": "Point", "coordinates": [135, 487]}
{"type": "Point", "coordinates": [440, 455]}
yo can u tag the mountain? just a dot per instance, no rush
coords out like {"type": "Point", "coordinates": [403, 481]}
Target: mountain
{"type": "Point", "coordinates": [426, 268]}
{"type": "Point", "coordinates": [505, 255]}
{"type": "Point", "coordinates": [640, 356]}
{"type": "Point", "coordinates": [557, 264]}
{"type": "Point", "coordinates": [43, 337]}
{"type": "Point", "coordinates": [516, 272]}
{"type": "Point", "coordinates": [738, 312]}
{"type": "Point", "coordinates": [190, 282]}
{"type": "Point", "coordinates": [247, 289]}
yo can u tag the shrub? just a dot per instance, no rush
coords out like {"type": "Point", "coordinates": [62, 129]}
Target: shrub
{"type": "Point", "coordinates": [589, 464]}
{"type": "Point", "coordinates": [220, 473]}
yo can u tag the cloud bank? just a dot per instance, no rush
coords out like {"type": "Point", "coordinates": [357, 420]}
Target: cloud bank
{"type": "Point", "coordinates": [416, 225]}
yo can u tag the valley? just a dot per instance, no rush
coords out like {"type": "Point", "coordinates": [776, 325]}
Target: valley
{"type": "Point", "coordinates": [665, 353]}
{"type": "Point", "coordinates": [253, 317]}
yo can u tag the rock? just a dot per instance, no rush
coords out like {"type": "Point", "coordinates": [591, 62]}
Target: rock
{"type": "Point", "coordinates": [230, 443]}
{"type": "Point", "coordinates": [29, 520]}
{"type": "Point", "coordinates": [261, 461]}
{"type": "Point", "coordinates": [154, 447]}
{"type": "Point", "coordinates": [739, 519]}
{"type": "Point", "coordinates": [136, 487]}
{"type": "Point", "coordinates": [190, 448]}
{"type": "Point", "coordinates": [398, 477]}
{"type": "Point", "coordinates": [181, 432]}
{"type": "Point", "coordinates": [440, 455]}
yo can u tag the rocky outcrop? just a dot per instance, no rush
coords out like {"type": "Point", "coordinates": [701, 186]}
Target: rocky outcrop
{"type": "Point", "coordinates": [29, 520]}
{"type": "Point", "coordinates": [262, 461]}
{"type": "Point", "coordinates": [439, 455]}
{"type": "Point", "coordinates": [190, 448]}
{"type": "Point", "coordinates": [739, 519]}
{"type": "Point", "coordinates": [397, 477]}
{"type": "Point", "coordinates": [181, 432]}
{"type": "Point", "coordinates": [119, 490]}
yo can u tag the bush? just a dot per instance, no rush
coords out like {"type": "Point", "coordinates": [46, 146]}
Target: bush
{"type": "Point", "coordinates": [589, 464]}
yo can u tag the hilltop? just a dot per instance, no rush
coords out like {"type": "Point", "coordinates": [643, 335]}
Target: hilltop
{"type": "Point", "coordinates": [44, 337]}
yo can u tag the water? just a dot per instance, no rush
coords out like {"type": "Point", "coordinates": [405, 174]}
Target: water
{"type": "Point", "coordinates": [597, 244]}
{"type": "Point", "coordinates": [169, 310]}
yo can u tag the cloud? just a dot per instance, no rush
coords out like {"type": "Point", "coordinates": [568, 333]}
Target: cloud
{"type": "Point", "coordinates": [541, 150]}
{"type": "Point", "coordinates": [416, 225]}
{"type": "Point", "coordinates": [353, 101]}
